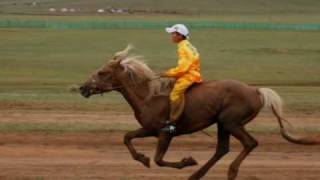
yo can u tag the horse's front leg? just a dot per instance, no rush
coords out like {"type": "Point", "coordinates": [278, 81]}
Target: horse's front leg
{"type": "Point", "coordinates": [139, 133]}
{"type": "Point", "coordinates": [163, 144]}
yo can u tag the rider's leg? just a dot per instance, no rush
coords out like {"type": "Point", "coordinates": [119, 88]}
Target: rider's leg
{"type": "Point", "coordinates": [177, 102]}
{"type": "Point", "coordinates": [176, 108]}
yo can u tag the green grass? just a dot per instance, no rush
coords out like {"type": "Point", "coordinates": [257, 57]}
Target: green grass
{"type": "Point", "coordinates": [172, 6]}
{"type": "Point", "coordinates": [268, 128]}
{"type": "Point", "coordinates": [33, 57]}
{"type": "Point", "coordinates": [285, 11]}
{"type": "Point", "coordinates": [38, 66]}
{"type": "Point", "coordinates": [272, 18]}
{"type": "Point", "coordinates": [94, 127]}
{"type": "Point", "coordinates": [23, 127]}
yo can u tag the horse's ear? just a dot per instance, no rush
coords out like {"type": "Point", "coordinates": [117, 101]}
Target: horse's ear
{"type": "Point", "coordinates": [122, 54]}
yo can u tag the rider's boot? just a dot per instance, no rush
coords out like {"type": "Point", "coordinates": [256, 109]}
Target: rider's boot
{"type": "Point", "coordinates": [176, 109]}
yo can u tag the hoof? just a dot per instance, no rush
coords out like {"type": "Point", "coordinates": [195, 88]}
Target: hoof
{"type": "Point", "coordinates": [233, 172]}
{"type": "Point", "coordinates": [232, 175]}
{"type": "Point", "coordinates": [193, 178]}
{"type": "Point", "coordinates": [144, 160]}
{"type": "Point", "coordinates": [189, 161]}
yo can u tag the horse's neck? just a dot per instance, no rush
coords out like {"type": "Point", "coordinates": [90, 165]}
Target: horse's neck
{"type": "Point", "coordinates": [139, 96]}
{"type": "Point", "coordinates": [135, 96]}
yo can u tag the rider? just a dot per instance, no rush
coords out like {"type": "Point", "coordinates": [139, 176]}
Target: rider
{"type": "Point", "coordinates": [186, 73]}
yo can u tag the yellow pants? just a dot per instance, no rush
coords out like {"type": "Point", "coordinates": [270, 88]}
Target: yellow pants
{"type": "Point", "coordinates": [177, 98]}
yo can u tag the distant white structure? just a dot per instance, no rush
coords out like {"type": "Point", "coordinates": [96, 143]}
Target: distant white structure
{"type": "Point", "coordinates": [119, 11]}
{"type": "Point", "coordinates": [72, 10]}
{"type": "Point", "coordinates": [52, 10]}
{"type": "Point", "coordinates": [115, 10]}
{"type": "Point", "coordinates": [64, 10]}
{"type": "Point", "coordinates": [34, 3]}
{"type": "Point", "coordinates": [112, 10]}
{"type": "Point", "coordinates": [100, 10]}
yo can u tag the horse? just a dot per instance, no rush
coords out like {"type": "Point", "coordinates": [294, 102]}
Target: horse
{"type": "Point", "coordinates": [228, 103]}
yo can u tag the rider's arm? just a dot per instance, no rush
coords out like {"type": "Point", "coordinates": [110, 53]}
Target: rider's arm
{"type": "Point", "coordinates": [184, 64]}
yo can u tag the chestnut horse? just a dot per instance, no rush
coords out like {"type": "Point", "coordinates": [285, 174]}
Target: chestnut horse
{"type": "Point", "coordinates": [228, 103]}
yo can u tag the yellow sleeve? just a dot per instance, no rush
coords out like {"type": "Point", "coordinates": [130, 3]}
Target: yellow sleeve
{"type": "Point", "coordinates": [184, 63]}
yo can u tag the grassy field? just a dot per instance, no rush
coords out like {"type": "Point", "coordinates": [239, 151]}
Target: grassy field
{"type": "Point", "coordinates": [273, 18]}
{"type": "Point", "coordinates": [94, 127]}
{"type": "Point", "coordinates": [38, 67]}
{"type": "Point", "coordinates": [170, 6]}
{"type": "Point", "coordinates": [285, 11]}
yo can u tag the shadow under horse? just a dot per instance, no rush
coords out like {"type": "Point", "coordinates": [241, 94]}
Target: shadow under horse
{"type": "Point", "coordinates": [228, 103]}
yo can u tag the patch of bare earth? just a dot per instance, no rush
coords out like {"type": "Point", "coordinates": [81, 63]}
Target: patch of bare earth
{"type": "Point", "coordinates": [103, 155]}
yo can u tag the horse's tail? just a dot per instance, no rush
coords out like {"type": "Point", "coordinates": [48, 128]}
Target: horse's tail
{"type": "Point", "coordinates": [273, 101]}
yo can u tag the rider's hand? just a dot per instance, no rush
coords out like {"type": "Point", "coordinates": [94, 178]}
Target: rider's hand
{"type": "Point", "coordinates": [163, 74]}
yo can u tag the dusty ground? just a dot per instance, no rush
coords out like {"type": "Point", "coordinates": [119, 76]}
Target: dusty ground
{"type": "Point", "coordinates": [103, 156]}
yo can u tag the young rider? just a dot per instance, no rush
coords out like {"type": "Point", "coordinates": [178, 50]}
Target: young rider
{"type": "Point", "coordinates": [186, 73]}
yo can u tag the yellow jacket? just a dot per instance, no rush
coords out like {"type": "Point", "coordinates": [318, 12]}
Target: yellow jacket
{"type": "Point", "coordinates": [188, 63]}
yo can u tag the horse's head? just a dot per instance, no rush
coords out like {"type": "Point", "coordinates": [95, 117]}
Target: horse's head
{"type": "Point", "coordinates": [106, 78]}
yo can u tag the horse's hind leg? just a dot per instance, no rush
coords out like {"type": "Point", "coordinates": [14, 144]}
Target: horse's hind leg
{"type": "Point", "coordinates": [163, 144]}
{"type": "Point", "coordinates": [221, 149]}
{"type": "Point", "coordinates": [248, 142]}
{"type": "Point", "coordinates": [139, 133]}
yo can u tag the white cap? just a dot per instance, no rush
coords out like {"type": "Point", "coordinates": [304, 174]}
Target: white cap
{"type": "Point", "coordinates": [179, 28]}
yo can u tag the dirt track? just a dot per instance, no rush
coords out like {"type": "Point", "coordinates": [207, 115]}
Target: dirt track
{"type": "Point", "coordinates": [103, 156]}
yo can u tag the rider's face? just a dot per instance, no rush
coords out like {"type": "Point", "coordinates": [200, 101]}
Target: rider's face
{"type": "Point", "coordinates": [176, 37]}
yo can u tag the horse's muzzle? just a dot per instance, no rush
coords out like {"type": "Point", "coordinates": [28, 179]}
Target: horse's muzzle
{"type": "Point", "coordinates": [85, 92]}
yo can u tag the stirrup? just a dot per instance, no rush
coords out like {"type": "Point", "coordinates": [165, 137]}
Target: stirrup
{"type": "Point", "coordinates": [169, 128]}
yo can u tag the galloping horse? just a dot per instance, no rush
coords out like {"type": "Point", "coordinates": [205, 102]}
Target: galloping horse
{"type": "Point", "coordinates": [228, 103]}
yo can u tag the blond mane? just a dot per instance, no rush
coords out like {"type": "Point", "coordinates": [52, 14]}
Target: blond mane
{"type": "Point", "coordinates": [138, 71]}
